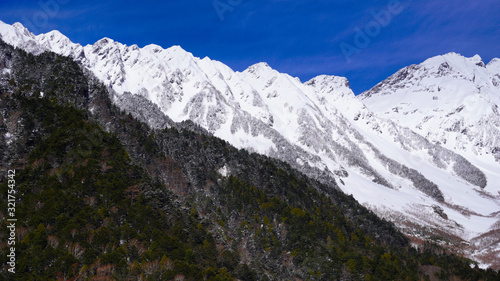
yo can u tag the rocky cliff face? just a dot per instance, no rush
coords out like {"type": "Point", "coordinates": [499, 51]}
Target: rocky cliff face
{"type": "Point", "coordinates": [451, 100]}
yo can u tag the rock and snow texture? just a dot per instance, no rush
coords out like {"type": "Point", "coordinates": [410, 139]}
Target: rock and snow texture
{"type": "Point", "coordinates": [322, 129]}
{"type": "Point", "coordinates": [452, 101]}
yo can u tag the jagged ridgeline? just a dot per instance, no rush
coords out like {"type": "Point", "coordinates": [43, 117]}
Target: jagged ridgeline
{"type": "Point", "coordinates": [101, 196]}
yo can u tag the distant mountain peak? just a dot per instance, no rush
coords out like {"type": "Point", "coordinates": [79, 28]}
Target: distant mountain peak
{"type": "Point", "coordinates": [327, 79]}
{"type": "Point", "coordinates": [450, 99]}
{"type": "Point", "coordinates": [477, 58]}
{"type": "Point", "coordinates": [19, 27]}
{"type": "Point", "coordinates": [173, 49]}
{"type": "Point", "coordinates": [260, 66]}
{"type": "Point", "coordinates": [104, 41]}
{"type": "Point", "coordinates": [494, 66]}
{"type": "Point", "coordinates": [262, 71]}
{"type": "Point", "coordinates": [494, 61]}
{"type": "Point", "coordinates": [55, 34]}
{"type": "Point", "coordinates": [20, 37]}
{"type": "Point", "coordinates": [456, 61]}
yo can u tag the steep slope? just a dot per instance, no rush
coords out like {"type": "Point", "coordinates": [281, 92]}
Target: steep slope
{"type": "Point", "coordinates": [452, 101]}
{"type": "Point", "coordinates": [102, 196]}
{"type": "Point", "coordinates": [318, 127]}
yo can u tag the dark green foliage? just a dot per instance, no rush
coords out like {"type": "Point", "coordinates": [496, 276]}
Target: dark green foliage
{"type": "Point", "coordinates": [76, 208]}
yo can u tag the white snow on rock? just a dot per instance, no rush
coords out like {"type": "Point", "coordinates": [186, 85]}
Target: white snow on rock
{"type": "Point", "coordinates": [419, 147]}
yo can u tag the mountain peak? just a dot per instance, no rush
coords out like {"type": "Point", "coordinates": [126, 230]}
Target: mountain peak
{"type": "Point", "coordinates": [18, 25]}
{"type": "Point", "coordinates": [494, 66]}
{"type": "Point", "coordinates": [23, 30]}
{"type": "Point", "coordinates": [476, 58]}
{"type": "Point", "coordinates": [155, 48]}
{"type": "Point", "coordinates": [54, 36]}
{"type": "Point", "coordinates": [104, 41]}
{"type": "Point", "coordinates": [494, 61]}
{"type": "Point", "coordinates": [55, 33]}
{"type": "Point", "coordinates": [259, 65]}
{"type": "Point", "coordinates": [454, 60]}
{"type": "Point", "coordinates": [262, 64]}
{"type": "Point", "coordinates": [435, 70]}
{"type": "Point", "coordinates": [450, 99]}
{"type": "Point", "coordinates": [328, 79]}
{"type": "Point", "coordinates": [331, 87]}
{"type": "Point", "coordinates": [173, 51]}
{"type": "Point", "coordinates": [20, 37]}
{"type": "Point", "coordinates": [174, 48]}
{"type": "Point", "coordinates": [259, 68]}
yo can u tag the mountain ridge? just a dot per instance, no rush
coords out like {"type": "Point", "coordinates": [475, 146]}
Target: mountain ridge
{"type": "Point", "coordinates": [464, 95]}
{"type": "Point", "coordinates": [318, 127]}
{"type": "Point", "coordinates": [104, 196]}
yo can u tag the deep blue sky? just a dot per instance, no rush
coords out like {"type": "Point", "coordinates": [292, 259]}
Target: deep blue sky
{"type": "Point", "coordinates": [303, 38]}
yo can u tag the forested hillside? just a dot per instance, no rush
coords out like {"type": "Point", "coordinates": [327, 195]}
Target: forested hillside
{"type": "Point", "coordinates": [101, 196]}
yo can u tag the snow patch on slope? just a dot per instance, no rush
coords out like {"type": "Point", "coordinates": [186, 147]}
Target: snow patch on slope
{"type": "Point", "coordinates": [319, 126]}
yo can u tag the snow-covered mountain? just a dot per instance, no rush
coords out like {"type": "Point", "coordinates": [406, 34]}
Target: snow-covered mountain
{"type": "Point", "coordinates": [451, 100]}
{"type": "Point", "coordinates": [319, 127]}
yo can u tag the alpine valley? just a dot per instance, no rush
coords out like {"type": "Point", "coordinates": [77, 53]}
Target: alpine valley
{"type": "Point", "coordinates": [421, 149]}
